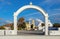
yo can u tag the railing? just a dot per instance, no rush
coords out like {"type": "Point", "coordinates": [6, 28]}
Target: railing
{"type": "Point", "coordinates": [7, 32]}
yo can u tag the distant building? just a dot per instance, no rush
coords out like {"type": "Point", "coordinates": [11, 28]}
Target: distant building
{"type": "Point", "coordinates": [8, 26]}
{"type": "Point", "coordinates": [30, 25]}
{"type": "Point", "coordinates": [27, 26]}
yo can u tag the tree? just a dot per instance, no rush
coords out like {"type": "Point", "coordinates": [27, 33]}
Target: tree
{"type": "Point", "coordinates": [21, 24]}
{"type": "Point", "coordinates": [2, 27]}
{"type": "Point", "coordinates": [56, 25]}
{"type": "Point", "coordinates": [43, 24]}
{"type": "Point", "coordinates": [12, 26]}
{"type": "Point", "coordinates": [21, 20]}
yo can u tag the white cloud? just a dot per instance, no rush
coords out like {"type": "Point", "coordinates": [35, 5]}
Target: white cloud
{"type": "Point", "coordinates": [56, 14]}
{"type": "Point", "coordinates": [50, 3]}
{"type": "Point", "coordinates": [9, 3]}
{"type": "Point", "coordinates": [0, 18]}
{"type": "Point", "coordinates": [32, 14]}
{"type": "Point", "coordinates": [39, 20]}
{"type": "Point", "coordinates": [56, 9]}
{"type": "Point", "coordinates": [8, 21]}
{"type": "Point", "coordinates": [1, 0]}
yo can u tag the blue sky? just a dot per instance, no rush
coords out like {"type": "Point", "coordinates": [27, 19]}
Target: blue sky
{"type": "Point", "coordinates": [8, 7]}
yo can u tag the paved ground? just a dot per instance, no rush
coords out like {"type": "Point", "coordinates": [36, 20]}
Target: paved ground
{"type": "Point", "coordinates": [24, 32]}
{"type": "Point", "coordinates": [29, 35]}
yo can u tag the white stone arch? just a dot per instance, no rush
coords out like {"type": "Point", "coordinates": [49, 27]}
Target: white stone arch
{"type": "Point", "coordinates": [34, 7]}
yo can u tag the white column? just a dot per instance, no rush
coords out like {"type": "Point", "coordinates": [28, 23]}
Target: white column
{"type": "Point", "coordinates": [15, 24]}
{"type": "Point", "coordinates": [46, 24]}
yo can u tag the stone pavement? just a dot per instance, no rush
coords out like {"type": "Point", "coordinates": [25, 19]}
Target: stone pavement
{"type": "Point", "coordinates": [29, 37]}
